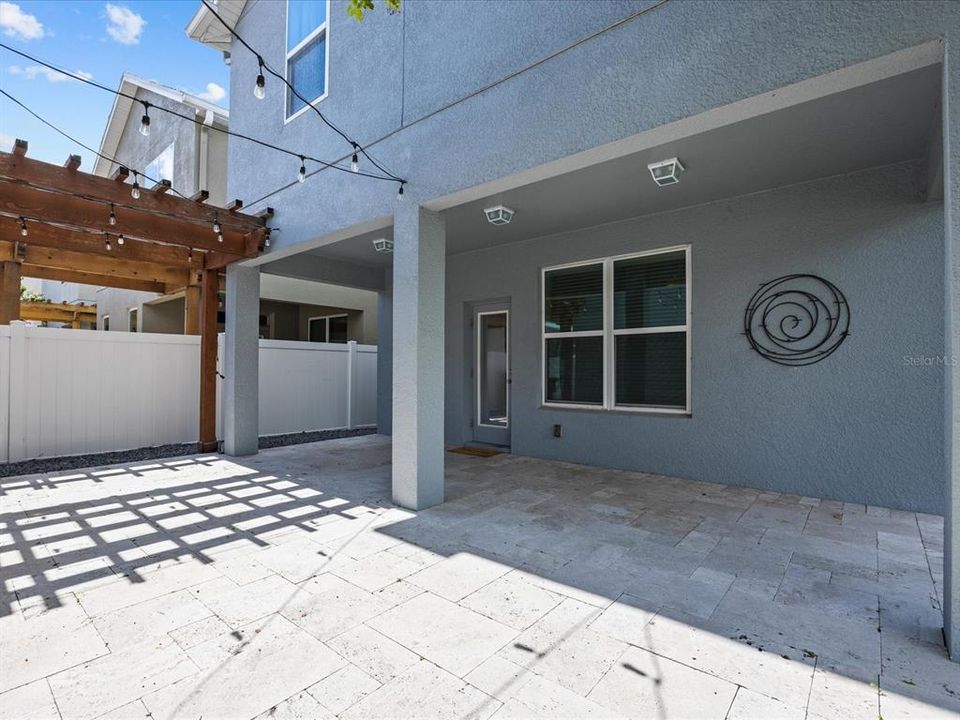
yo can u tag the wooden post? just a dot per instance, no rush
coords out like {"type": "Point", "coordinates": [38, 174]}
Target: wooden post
{"type": "Point", "coordinates": [191, 310]}
{"type": "Point", "coordinates": [9, 291]}
{"type": "Point", "coordinates": [209, 294]}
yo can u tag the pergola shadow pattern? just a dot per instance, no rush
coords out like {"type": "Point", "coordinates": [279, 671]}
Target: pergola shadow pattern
{"type": "Point", "coordinates": [288, 583]}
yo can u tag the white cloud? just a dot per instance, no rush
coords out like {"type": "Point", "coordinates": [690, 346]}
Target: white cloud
{"type": "Point", "coordinates": [213, 93]}
{"type": "Point", "coordinates": [16, 23]}
{"type": "Point", "coordinates": [125, 25]}
{"type": "Point", "coordinates": [32, 72]}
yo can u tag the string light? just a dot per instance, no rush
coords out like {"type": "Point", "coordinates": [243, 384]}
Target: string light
{"type": "Point", "coordinates": [400, 192]}
{"type": "Point", "coordinates": [302, 175]}
{"type": "Point", "coordinates": [216, 224]}
{"type": "Point", "coordinates": [120, 239]}
{"type": "Point", "coordinates": [220, 237]}
{"type": "Point", "coordinates": [23, 227]}
{"type": "Point", "coordinates": [135, 191]}
{"type": "Point", "coordinates": [190, 255]}
{"type": "Point", "coordinates": [145, 120]}
{"type": "Point", "coordinates": [113, 215]}
{"type": "Point", "coordinates": [260, 88]}
{"type": "Point", "coordinates": [106, 239]}
{"type": "Point", "coordinates": [355, 161]}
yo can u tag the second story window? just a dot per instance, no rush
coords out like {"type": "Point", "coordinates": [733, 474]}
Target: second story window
{"type": "Point", "coordinates": [307, 52]}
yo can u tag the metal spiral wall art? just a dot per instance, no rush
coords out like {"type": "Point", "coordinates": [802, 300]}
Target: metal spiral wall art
{"type": "Point", "coordinates": [797, 320]}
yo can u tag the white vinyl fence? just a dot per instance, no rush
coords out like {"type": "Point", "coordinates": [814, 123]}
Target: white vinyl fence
{"type": "Point", "coordinates": [70, 392]}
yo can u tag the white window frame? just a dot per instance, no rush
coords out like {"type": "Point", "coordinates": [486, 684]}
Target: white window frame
{"type": "Point", "coordinates": [105, 323]}
{"type": "Point", "coordinates": [323, 27]}
{"type": "Point", "coordinates": [130, 314]}
{"type": "Point", "coordinates": [326, 325]}
{"type": "Point", "coordinates": [609, 333]}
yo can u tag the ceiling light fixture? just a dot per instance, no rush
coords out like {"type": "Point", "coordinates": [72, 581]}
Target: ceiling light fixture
{"type": "Point", "coordinates": [383, 245]}
{"type": "Point", "coordinates": [666, 172]}
{"type": "Point", "coordinates": [498, 215]}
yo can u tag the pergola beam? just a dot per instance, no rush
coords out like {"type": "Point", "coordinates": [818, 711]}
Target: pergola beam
{"type": "Point", "coordinates": [58, 312]}
{"type": "Point", "coordinates": [105, 266]}
{"type": "Point", "coordinates": [65, 209]}
{"type": "Point", "coordinates": [37, 173]}
{"type": "Point", "coordinates": [42, 272]}
{"type": "Point", "coordinates": [52, 236]}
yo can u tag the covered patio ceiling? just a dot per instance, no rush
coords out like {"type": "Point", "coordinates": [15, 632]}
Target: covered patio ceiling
{"type": "Point", "coordinates": [288, 585]}
{"type": "Point", "coordinates": [892, 120]}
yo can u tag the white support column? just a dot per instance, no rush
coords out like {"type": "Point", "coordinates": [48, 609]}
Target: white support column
{"type": "Point", "coordinates": [241, 366]}
{"type": "Point", "coordinates": [385, 356]}
{"type": "Point", "coordinates": [951, 204]}
{"type": "Point", "coordinates": [419, 267]}
{"type": "Point", "coordinates": [17, 399]}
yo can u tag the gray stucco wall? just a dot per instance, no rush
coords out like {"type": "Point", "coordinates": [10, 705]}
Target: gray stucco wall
{"type": "Point", "coordinates": [389, 89]}
{"type": "Point", "coordinates": [865, 425]}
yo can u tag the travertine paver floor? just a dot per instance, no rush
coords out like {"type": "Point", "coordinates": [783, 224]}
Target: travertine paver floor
{"type": "Point", "coordinates": [288, 586]}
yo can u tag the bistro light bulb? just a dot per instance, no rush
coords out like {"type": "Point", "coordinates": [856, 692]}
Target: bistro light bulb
{"type": "Point", "coordinates": [23, 227]}
{"type": "Point", "coordinates": [219, 237]}
{"type": "Point", "coordinates": [135, 190]}
{"type": "Point", "coordinates": [107, 241]}
{"type": "Point", "coordinates": [216, 225]}
{"type": "Point", "coordinates": [120, 239]}
{"type": "Point", "coordinates": [260, 87]}
{"type": "Point", "coordinates": [113, 215]}
{"type": "Point", "coordinates": [302, 175]}
{"type": "Point", "coordinates": [400, 192]}
{"type": "Point", "coordinates": [145, 120]}
{"type": "Point", "coordinates": [355, 163]}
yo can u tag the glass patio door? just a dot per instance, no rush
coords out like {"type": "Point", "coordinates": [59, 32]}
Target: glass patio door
{"type": "Point", "coordinates": [491, 422]}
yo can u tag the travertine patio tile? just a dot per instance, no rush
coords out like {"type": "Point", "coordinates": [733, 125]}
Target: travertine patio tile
{"type": "Point", "coordinates": [458, 576]}
{"type": "Point", "coordinates": [643, 685]}
{"type": "Point", "coordinates": [762, 670]}
{"type": "Point", "coordinates": [376, 571]}
{"type": "Point", "coordinates": [154, 584]}
{"type": "Point", "coordinates": [82, 692]}
{"type": "Point", "coordinates": [282, 658]}
{"type": "Point", "coordinates": [749, 705]}
{"type": "Point", "coordinates": [837, 695]}
{"type": "Point", "coordinates": [626, 620]}
{"type": "Point", "coordinates": [242, 568]}
{"type": "Point", "coordinates": [562, 648]}
{"type": "Point", "coordinates": [344, 688]}
{"type": "Point", "coordinates": [453, 637]}
{"type": "Point", "coordinates": [40, 646]}
{"type": "Point", "coordinates": [540, 699]}
{"type": "Point", "coordinates": [210, 627]}
{"type": "Point", "coordinates": [135, 710]}
{"type": "Point", "coordinates": [295, 561]}
{"type": "Point", "coordinates": [149, 619]}
{"type": "Point", "coordinates": [32, 701]}
{"type": "Point", "coordinates": [328, 605]}
{"type": "Point", "coordinates": [302, 706]}
{"type": "Point", "coordinates": [424, 691]}
{"type": "Point", "coordinates": [374, 653]}
{"type": "Point", "coordinates": [237, 606]}
{"type": "Point", "coordinates": [513, 601]}
{"type": "Point", "coordinates": [498, 677]}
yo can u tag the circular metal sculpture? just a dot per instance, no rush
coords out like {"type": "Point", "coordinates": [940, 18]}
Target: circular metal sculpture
{"type": "Point", "coordinates": [797, 319]}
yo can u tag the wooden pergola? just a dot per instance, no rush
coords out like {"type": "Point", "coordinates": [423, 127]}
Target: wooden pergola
{"type": "Point", "coordinates": [168, 244]}
{"type": "Point", "coordinates": [58, 312]}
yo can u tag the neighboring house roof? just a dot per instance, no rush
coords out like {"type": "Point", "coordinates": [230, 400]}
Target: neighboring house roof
{"type": "Point", "coordinates": [205, 28]}
{"type": "Point", "coordinates": [122, 107]}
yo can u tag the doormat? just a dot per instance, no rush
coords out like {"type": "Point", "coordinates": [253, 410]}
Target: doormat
{"type": "Point", "coordinates": [475, 451]}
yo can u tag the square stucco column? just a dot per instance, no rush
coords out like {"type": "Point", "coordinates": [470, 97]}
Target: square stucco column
{"type": "Point", "coordinates": [951, 204]}
{"type": "Point", "coordinates": [241, 366]}
{"type": "Point", "coordinates": [385, 356]}
{"type": "Point", "coordinates": [419, 265]}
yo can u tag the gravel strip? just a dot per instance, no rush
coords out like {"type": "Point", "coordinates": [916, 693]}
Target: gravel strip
{"type": "Point", "coordinates": [74, 462]}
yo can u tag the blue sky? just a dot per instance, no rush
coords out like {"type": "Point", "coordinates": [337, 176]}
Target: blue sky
{"type": "Point", "coordinates": [104, 39]}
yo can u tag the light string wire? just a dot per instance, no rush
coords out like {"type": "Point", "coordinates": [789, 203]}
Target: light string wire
{"type": "Point", "coordinates": [196, 121]}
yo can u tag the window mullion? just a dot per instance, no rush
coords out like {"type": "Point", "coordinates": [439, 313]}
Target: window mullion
{"type": "Point", "coordinates": [609, 364]}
